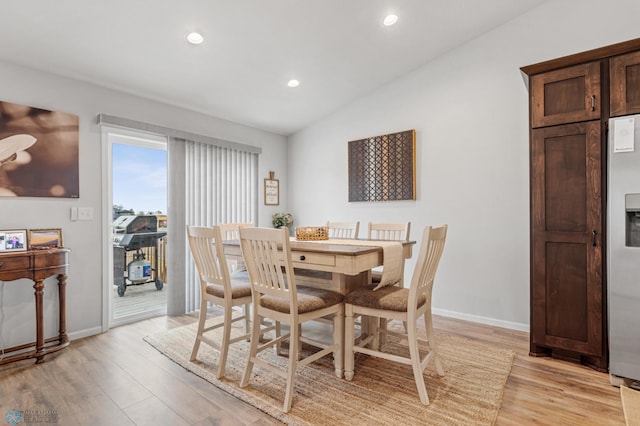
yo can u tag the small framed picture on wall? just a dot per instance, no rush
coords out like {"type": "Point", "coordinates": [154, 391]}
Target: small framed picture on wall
{"type": "Point", "coordinates": [271, 190]}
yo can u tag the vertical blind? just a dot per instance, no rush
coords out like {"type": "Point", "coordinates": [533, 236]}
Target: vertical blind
{"type": "Point", "coordinates": [221, 186]}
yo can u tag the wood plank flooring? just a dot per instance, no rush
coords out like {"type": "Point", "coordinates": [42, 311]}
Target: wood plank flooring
{"type": "Point", "coordinates": [138, 299]}
{"type": "Point", "coordinates": [117, 379]}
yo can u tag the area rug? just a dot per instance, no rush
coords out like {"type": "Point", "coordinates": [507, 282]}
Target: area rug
{"type": "Point", "coordinates": [381, 393]}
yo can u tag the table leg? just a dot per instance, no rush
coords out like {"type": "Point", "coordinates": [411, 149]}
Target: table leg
{"type": "Point", "coordinates": [39, 290]}
{"type": "Point", "coordinates": [62, 303]}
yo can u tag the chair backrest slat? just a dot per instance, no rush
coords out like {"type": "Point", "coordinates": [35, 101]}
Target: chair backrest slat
{"type": "Point", "coordinates": [267, 254]}
{"type": "Point", "coordinates": [347, 230]}
{"type": "Point", "coordinates": [229, 231]}
{"type": "Point", "coordinates": [208, 254]}
{"type": "Point", "coordinates": [389, 231]}
{"type": "Point", "coordinates": [431, 248]}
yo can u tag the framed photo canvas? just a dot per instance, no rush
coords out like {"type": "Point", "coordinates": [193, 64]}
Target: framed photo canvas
{"type": "Point", "coordinates": [45, 238]}
{"type": "Point", "coordinates": [39, 152]}
{"type": "Point", "coordinates": [13, 240]}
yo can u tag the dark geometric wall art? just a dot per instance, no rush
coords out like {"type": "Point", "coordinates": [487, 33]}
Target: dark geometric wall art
{"type": "Point", "coordinates": [38, 152]}
{"type": "Point", "coordinates": [383, 168]}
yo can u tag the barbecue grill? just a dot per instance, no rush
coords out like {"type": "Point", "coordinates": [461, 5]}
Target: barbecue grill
{"type": "Point", "coordinates": [135, 233]}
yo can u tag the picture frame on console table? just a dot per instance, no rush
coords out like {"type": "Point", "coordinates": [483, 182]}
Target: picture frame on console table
{"type": "Point", "coordinates": [41, 239]}
{"type": "Point", "coordinates": [13, 240]}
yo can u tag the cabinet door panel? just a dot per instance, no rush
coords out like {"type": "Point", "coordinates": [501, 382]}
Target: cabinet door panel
{"type": "Point", "coordinates": [625, 84]}
{"type": "Point", "coordinates": [568, 95]}
{"type": "Point", "coordinates": [566, 287]}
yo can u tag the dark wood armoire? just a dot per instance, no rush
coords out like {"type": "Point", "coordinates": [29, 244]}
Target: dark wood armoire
{"type": "Point", "coordinates": [570, 102]}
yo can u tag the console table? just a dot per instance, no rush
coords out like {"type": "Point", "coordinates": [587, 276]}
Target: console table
{"type": "Point", "coordinates": [38, 265]}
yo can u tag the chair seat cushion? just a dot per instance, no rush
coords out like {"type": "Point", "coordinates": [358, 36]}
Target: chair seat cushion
{"type": "Point", "coordinates": [390, 298]}
{"type": "Point", "coordinates": [309, 299]}
{"type": "Point", "coordinates": [240, 286]}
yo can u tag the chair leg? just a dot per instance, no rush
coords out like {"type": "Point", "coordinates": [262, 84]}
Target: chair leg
{"type": "Point", "coordinates": [428, 325]}
{"type": "Point", "coordinates": [278, 333]}
{"type": "Point", "coordinates": [349, 336]}
{"type": "Point", "coordinates": [253, 348]}
{"type": "Point", "coordinates": [247, 318]}
{"type": "Point", "coordinates": [375, 328]}
{"type": "Point", "coordinates": [415, 363]}
{"type": "Point", "coordinates": [224, 346]}
{"type": "Point", "coordinates": [381, 338]}
{"type": "Point", "coordinates": [294, 349]}
{"type": "Point", "coordinates": [299, 351]}
{"type": "Point", "coordinates": [338, 339]}
{"type": "Point", "coordinates": [202, 318]}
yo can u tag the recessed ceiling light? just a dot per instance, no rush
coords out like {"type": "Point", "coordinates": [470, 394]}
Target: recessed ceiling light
{"type": "Point", "coordinates": [293, 83]}
{"type": "Point", "coordinates": [195, 38]}
{"type": "Point", "coordinates": [390, 20]}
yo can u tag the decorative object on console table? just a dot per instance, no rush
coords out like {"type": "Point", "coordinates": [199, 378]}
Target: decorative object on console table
{"type": "Point", "coordinates": [13, 240]}
{"type": "Point", "coordinates": [271, 190]}
{"type": "Point", "coordinates": [383, 168]}
{"type": "Point", "coordinates": [41, 239]}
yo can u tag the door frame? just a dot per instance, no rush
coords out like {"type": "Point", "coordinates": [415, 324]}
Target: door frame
{"type": "Point", "coordinates": [109, 136]}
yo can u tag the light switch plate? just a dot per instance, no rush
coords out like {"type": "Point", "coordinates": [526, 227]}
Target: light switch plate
{"type": "Point", "coordinates": [85, 213]}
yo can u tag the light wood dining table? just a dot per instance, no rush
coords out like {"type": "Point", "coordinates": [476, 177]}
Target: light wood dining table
{"type": "Point", "coordinates": [330, 265]}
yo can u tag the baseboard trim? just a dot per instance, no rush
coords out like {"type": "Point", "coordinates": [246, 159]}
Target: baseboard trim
{"type": "Point", "coordinates": [482, 320]}
{"type": "Point", "coordinates": [85, 333]}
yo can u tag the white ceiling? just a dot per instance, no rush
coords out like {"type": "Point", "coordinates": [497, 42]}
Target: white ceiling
{"type": "Point", "coordinates": [338, 49]}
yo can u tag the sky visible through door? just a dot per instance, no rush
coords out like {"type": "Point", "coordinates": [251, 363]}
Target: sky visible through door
{"type": "Point", "coordinates": [140, 178]}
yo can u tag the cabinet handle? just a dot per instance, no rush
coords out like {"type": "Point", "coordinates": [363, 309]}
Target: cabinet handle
{"type": "Point", "coordinates": [593, 236]}
{"type": "Point", "coordinates": [1, 263]}
{"type": "Point", "coordinates": [593, 104]}
{"type": "Point", "coordinates": [302, 258]}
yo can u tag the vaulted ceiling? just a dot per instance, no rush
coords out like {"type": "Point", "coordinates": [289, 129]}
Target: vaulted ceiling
{"type": "Point", "coordinates": [337, 49]}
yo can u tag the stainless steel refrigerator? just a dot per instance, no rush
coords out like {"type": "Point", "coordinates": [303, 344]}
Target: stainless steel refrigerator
{"type": "Point", "coordinates": [623, 252]}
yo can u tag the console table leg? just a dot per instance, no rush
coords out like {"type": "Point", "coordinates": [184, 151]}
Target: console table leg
{"type": "Point", "coordinates": [62, 295]}
{"type": "Point", "coordinates": [39, 290]}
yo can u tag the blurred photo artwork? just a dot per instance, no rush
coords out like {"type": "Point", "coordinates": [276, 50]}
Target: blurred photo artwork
{"type": "Point", "coordinates": [39, 151]}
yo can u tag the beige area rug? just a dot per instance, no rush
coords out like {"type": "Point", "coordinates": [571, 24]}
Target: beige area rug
{"type": "Point", "coordinates": [381, 393]}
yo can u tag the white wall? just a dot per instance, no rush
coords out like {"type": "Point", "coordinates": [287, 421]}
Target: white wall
{"type": "Point", "coordinates": [84, 288]}
{"type": "Point", "coordinates": [470, 111]}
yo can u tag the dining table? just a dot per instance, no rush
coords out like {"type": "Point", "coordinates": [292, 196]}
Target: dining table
{"type": "Point", "coordinates": [333, 264]}
{"type": "Point", "coordinates": [337, 265]}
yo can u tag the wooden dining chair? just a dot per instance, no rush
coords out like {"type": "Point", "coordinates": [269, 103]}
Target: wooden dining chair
{"type": "Point", "coordinates": [229, 232]}
{"type": "Point", "coordinates": [404, 304]}
{"type": "Point", "coordinates": [217, 286]}
{"type": "Point", "coordinates": [267, 253]}
{"type": "Point", "coordinates": [387, 232]}
{"type": "Point", "coordinates": [344, 230]}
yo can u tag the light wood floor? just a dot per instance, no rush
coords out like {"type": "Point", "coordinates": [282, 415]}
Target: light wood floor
{"type": "Point", "coordinates": [117, 379]}
{"type": "Point", "coordinates": [138, 299]}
